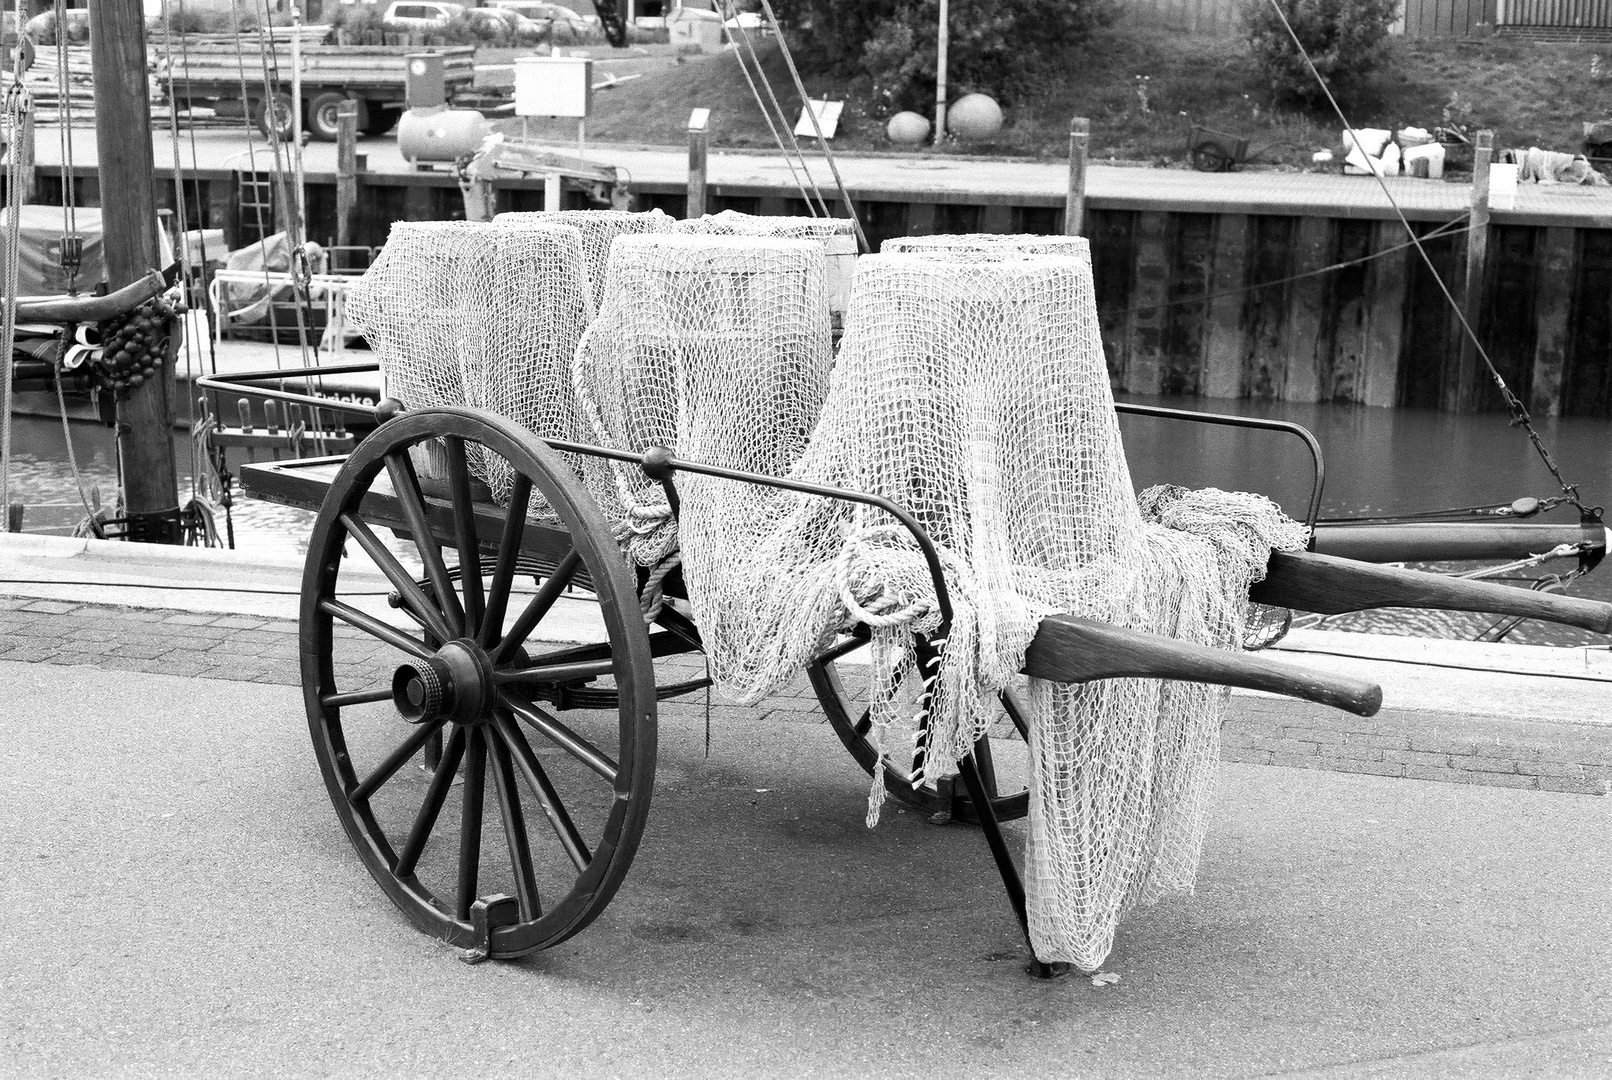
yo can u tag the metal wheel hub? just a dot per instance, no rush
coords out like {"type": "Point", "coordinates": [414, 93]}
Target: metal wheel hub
{"type": "Point", "coordinates": [456, 684]}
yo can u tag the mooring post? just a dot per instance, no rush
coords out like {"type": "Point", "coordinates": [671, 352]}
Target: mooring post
{"type": "Point", "coordinates": [1469, 375]}
{"type": "Point", "coordinates": [1074, 206]}
{"type": "Point", "coordinates": [129, 242]}
{"type": "Point", "coordinates": [346, 173]}
{"type": "Point", "coordinates": [14, 517]}
{"type": "Point", "coordinates": [699, 122]}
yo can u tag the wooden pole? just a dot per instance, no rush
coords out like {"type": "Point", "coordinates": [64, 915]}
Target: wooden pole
{"type": "Point", "coordinates": [940, 74]}
{"type": "Point", "coordinates": [346, 172]}
{"type": "Point", "coordinates": [699, 122]}
{"type": "Point", "coordinates": [1074, 206]}
{"type": "Point", "coordinates": [1468, 380]}
{"type": "Point", "coordinates": [129, 242]}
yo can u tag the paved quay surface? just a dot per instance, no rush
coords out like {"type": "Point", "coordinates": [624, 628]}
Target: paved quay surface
{"type": "Point", "coordinates": [952, 179]}
{"type": "Point", "coordinates": [181, 899]}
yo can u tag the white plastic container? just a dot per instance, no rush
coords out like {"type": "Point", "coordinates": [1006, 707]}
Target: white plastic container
{"type": "Point", "coordinates": [1426, 160]}
{"type": "Point", "coordinates": [1502, 187]}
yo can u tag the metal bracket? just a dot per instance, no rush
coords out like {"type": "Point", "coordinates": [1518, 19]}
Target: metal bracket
{"type": "Point", "coordinates": [487, 915]}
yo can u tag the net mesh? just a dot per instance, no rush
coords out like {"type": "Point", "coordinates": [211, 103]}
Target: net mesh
{"type": "Point", "coordinates": [599, 230]}
{"type": "Point", "coordinates": [998, 245]}
{"type": "Point", "coordinates": [974, 393]}
{"type": "Point", "coordinates": [733, 223]}
{"type": "Point", "coordinates": [480, 314]}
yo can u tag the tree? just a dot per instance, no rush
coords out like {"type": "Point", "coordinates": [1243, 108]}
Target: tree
{"type": "Point", "coordinates": [998, 47]}
{"type": "Point", "coordinates": [1345, 39]}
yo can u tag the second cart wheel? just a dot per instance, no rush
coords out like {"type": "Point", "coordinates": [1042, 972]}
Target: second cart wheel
{"type": "Point", "coordinates": [1210, 158]}
{"type": "Point", "coordinates": [272, 115]}
{"type": "Point", "coordinates": [1002, 755]}
{"type": "Point", "coordinates": [322, 120]}
{"type": "Point", "coordinates": [495, 811]}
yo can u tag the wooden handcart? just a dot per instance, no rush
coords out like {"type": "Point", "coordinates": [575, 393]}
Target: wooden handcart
{"type": "Point", "coordinates": [447, 677]}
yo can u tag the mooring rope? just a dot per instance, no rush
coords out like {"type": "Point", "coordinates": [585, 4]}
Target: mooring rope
{"type": "Point", "coordinates": [18, 104]}
{"type": "Point", "coordinates": [1519, 412]}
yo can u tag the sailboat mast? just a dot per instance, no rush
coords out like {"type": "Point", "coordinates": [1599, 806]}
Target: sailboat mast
{"type": "Point", "coordinates": [129, 239]}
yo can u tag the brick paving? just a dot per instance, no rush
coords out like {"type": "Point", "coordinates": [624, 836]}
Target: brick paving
{"type": "Point", "coordinates": [1448, 747]}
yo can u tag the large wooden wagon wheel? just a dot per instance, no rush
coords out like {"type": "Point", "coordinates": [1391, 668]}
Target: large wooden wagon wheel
{"type": "Point", "coordinates": [1003, 759]}
{"type": "Point", "coordinates": [489, 820]}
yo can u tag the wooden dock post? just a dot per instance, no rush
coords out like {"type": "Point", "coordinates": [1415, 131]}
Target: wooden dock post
{"type": "Point", "coordinates": [1553, 313]}
{"type": "Point", "coordinates": [346, 173]}
{"type": "Point", "coordinates": [129, 223]}
{"type": "Point", "coordinates": [1074, 206]}
{"type": "Point", "coordinates": [699, 122]}
{"type": "Point", "coordinates": [1466, 392]}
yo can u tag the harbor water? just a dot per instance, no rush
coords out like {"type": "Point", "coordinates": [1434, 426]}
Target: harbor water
{"type": "Point", "coordinates": [1377, 462]}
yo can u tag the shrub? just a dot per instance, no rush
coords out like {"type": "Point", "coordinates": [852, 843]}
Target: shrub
{"type": "Point", "coordinates": [996, 47]}
{"type": "Point", "coordinates": [1345, 39]}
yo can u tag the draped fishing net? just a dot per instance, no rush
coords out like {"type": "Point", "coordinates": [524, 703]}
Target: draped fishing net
{"type": "Point", "coordinates": [480, 314]}
{"type": "Point", "coordinates": [990, 245]}
{"type": "Point", "coordinates": [599, 230]}
{"type": "Point", "coordinates": [733, 223]}
{"type": "Point", "coordinates": [974, 393]}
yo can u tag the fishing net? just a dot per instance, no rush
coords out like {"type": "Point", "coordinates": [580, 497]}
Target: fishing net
{"type": "Point", "coordinates": [974, 393]}
{"type": "Point", "coordinates": [733, 223]}
{"type": "Point", "coordinates": [989, 245]}
{"type": "Point", "coordinates": [479, 314]}
{"type": "Point", "coordinates": [678, 308]}
{"type": "Point", "coordinates": [599, 230]}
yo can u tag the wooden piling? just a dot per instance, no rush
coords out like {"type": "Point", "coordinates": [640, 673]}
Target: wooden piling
{"type": "Point", "coordinates": [699, 122]}
{"type": "Point", "coordinates": [1223, 347]}
{"type": "Point", "coordinates": [1463, 393]}
{"type": "Point", "coordinates": [129, 241]}
{"type": "Point", "coordinates": [1074, 206]}
{"type": "Point", "coordinates": [346, 172]}
{"type": "Point", "coordinates": [1553, 308]}
{"type": "Point", "coordinates": [1382, 337]}
{"type": "Point", "coordinates": [1144, 372]}
{"type": "Point", "coordinates": [1306, 300]}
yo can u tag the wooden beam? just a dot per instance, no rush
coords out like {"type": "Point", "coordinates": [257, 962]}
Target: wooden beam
{"type": "Point", "coordinates": [1387, 278]}
{"type": "Point", "coordinates": [129, 242]}
{"type": "Point", "coordinates": [1074, 206]}
{"type": "Point", "coordinates": [1306, 299]}
{"type": "Point", "coordinates": [1144, 370]}
{"type": "Point", "coordinates": [1224, 347]}
{"type": "Point", "coordinates": [1462, 394]}
{"type": "Point", "coordinates": [1553, 311]}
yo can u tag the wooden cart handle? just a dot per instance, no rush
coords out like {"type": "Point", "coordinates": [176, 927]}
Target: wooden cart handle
{"type": "Point", "coordinates": [1071, 649]}
{"type": "Point", "coordinates": [1332, 586]}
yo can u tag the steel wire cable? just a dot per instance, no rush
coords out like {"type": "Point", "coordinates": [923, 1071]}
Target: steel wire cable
{"type": "Point", "coordinates": [766, 114]}
{"type": "Point", "coordinates": [1514, 405]}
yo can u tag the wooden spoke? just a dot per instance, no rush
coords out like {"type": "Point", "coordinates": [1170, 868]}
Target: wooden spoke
{"type": "Point", "coordinates": [556, 673]}
{"type": "Point", "coordinates": [538, 607]}
{"type": "Point", "coordinates": [356, 697]}
{"type": "Point", "coordinates": [520, 851]}
{"type": "Point", "coordinates": [865, 724]}
{"type": "Point", "coordinates": [394, 761]}
{"type": "Point", "coordinates": [464, 527]}
{"type": "Point", "coordinates": [987, 765]}
{"type": "Point", "coordinates": [414, 599]}
{"type": "Point", "coordinates": [553, 809]}
{"type": "Point", "coordinates": [406, 486]}
{"type": "Point", "coordinates": [375, 628]}
{"type": "Point", "coordinates": [509, 550]}
{"type": "Point", "coordinates": [563, 737]}
{"type": "Point", "coordinates": [1017, 713]}
{"type": "Point", "coordinates": [426, 819]}
{"type": "Point", "coordinates": [470, 822]}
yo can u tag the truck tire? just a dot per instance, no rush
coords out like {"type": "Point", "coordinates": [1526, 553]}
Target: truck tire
{"type": "Point", "coordinates": [322, 114]}
{"type": "Point", "coordinates": [272, 115]}
{"type": "Point", "coordinates": [381, 119]}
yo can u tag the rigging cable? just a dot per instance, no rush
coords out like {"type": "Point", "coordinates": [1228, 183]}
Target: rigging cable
{"type": "Point", "coordinates": [766, 114]}
{"type": "Point", "coordinates": [16, 106]}
{"type": "Point", "coordinates": [1514, 405]}
{"type": "Point", "coordinates": [822, 143]}
{"type": "Point", "coordinates": [64, 124]}
{"type": "Point", "coordinates": [744, 37]}
{"type": "Point", "coordinates": [297, 255]}
{"type": "Point", "coordinates": [257, 202]}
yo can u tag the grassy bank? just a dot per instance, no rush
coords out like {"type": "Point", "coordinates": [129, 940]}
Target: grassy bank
{"type": "Point", "coordinates": [1141, 89]}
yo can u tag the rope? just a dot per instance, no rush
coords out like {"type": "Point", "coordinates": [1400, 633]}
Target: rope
{"type": "Point", "coordinates": [257, 204]}
{"type": "Point", "coordinates": [653, 595]}
{"type": "Point", "coordinates": [18, 103]}
{"type": "Point", "coordinates": [1514, 405]}
{"type": "Point", "coordinates": [67, 437]}
{"type": "Point", "coordinates": [806, 102]}
{"type": "Point", "coordinates": [766, 114]}
{"type": "Point", "coordinates": [744, 36]}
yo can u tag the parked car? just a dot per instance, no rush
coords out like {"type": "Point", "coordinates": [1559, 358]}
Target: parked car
{"type": "Point", "coordinates": [420, 14]}
{"type": "Point", "coordinates": [496, 22]}
{"type": "Point", "coordinates": [543, 12]}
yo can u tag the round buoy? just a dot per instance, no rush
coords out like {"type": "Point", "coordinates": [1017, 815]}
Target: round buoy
{"type": "Point", "coordinates": [908, 128]}
{"type": "Point", "coordinates": [975, 116]}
